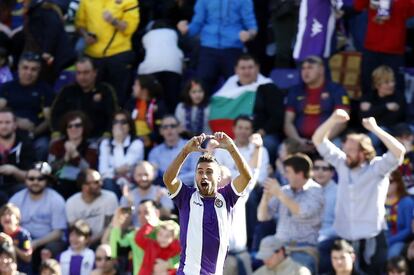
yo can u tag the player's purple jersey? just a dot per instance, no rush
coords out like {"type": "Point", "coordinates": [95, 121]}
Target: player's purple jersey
{"type": "Point", "coordinates": [205, 224]}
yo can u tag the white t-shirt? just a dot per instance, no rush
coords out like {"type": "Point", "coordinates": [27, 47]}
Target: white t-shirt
{"type": "Point", "coordinates": [94, 213]}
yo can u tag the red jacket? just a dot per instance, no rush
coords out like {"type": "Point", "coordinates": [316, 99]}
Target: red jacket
{"type": "Point", "coordinates": [153, 251]}
{"type": "Point", "coordinates": [390, 36]}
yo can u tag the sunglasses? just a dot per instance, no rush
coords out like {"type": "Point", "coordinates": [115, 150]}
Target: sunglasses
{"type": "Point", "coordinates": [120, 121]}
{"type": "Point", "coordinates": [107, 258]}
{"type": "Point", "coordinates": [94, 182]}
{"type": "Point", "coordinates": [323, 168]}
{"type": "Point", "coordinates": [74, 125]}
{"type": "Point", "coordinates": [36, 178]}
{"type": "Point", "coordinates": [166, 126]}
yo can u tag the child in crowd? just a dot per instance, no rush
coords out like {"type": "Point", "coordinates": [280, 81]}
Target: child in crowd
{"type": "Point", "coordinates": [162, 254]}
{"type": "Point", "coordinates": [193, 111]}
{"type": "Point", "coordinates": [50, 267]}
{"type": "Point", "coordinates": [20, 237]}
{"type": "Point", "coordinates": [78, 258]}
{"type": "Point", "coordinates": [147, 108]}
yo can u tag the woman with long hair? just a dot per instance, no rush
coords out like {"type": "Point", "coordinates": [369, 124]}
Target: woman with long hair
{"type": "Point", "coordinates": [73, 153]}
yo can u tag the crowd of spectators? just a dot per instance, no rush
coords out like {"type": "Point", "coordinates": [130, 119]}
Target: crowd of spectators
{"type": "Point", "coordinates": [97, 98]}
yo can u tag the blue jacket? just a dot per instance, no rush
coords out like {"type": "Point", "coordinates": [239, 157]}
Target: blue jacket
{"type": "Point", "coordinates": [219, 22]}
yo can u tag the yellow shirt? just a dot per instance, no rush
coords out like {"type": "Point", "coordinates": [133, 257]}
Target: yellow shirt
{"type": "Point", "coordinates": [110, 41]}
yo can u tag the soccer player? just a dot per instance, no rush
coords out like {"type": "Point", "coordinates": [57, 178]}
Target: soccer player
{"type": "Point", "coordinates": [204, 210]}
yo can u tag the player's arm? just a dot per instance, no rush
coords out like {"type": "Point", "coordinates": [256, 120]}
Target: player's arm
{"type": "Point", "coordinates": [170, 176]}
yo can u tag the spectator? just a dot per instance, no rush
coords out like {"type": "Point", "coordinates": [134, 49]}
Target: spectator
{"type": "Point", "coordinates": [244, 137]}
{"type": "Point", "coordinates": [78, 258]}
{"type": "Point", "coordinates": [16, 155]}
{"type": "Point", "coordinates": [276, 260]}
{"type": "Point", "coordinates": [5, 73]}
{"type": "Point", "coordinates": [204, 209]}
{"type": "Point", "coordinates": [144, 175]}
{"type": "Point", "coordinates": [311, 103]}
{"type": "Point", "coordinates": [30, 99]}
{"type": "Point", "coordinates": [43, 212]}
{"type": "Point", "coordinates": [323, 174]}
{"type": "Point", "coordinates": [299, 208]}
{"type": "Point", "coordinates": [284, 20]}
{"type": "Point", "coordinates": [288, 147]}
{"type": "Point", "coordinates": [363, 180]}
{"type": "Point", "coordinates": [238, 259]}
{"type": "Point", "coordinates": [223, 28]}
{"type": "Point", "coordinates": [146, 211]}
{"type": "Point", "coordinates": [94, 98]}
{"type": "Point", "coordinates": [343, 259]}
{"type": "Point", "coordinates": [193, 112]}
{"type": "Point", "coordinates": [147, 108]}
{"type": "Point", "coordinates": [20, 237]}
{"type": "Point", "coordinates": [8, 262]}
{"type": "Point", "coordinates": [11, 27]}
{"type": "Point", "coordinates": [404, 134]}
{"type": "Point", "coordinates": [164, 60]}
{"type": "Point", "coordinates": [385, 41]}
{"type": "Point", "coordinates": [316, 28]}
{"type": "Point", "coordinates": [162, 250]}
{"type": "Point", "coordinates": [73, 153]}
{"type": "Point", "coordinates": [45, 34]}
{"type": "Point", "coordinates": [399, 208]}
{"type": "Point", "coordinates": [120, 153]}
{"type": "Point", "coordinates": [50, 267]}
{"type": "Point", "coordinates": [397, 265]}
{"type": "Point", "coordinates": [386, 104]}
{"type": "Point", "coordinates": [237, 95]}
{"type": "Point", "coordinates": [107, 31]}
{"type": "Point", "coordinates": [105, 262]}
{"type": "Point", "coordinates": [268, 115]}
{"type": "Point", "coordinates": [92, 204]}
{"type": "Point", "coordinates": [162, 156]}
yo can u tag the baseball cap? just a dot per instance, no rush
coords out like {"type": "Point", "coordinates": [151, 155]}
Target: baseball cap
{"type": "Point", "coordinates": [268, 246]}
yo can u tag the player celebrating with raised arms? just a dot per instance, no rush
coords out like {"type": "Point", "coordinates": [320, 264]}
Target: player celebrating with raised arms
{"type": "Point", "coordinates": [204, 211]}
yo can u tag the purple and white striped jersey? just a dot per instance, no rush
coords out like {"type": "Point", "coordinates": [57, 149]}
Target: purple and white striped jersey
{"type": "Point", "coordinates": [205, 224]}
{"type": "Point", "coordinates": [315, 29]}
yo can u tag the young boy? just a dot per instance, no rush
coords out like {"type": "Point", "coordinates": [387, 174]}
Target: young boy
{"type": "Point", "coordinates": [10, 222]}
{"type": "Point", "coordinates": [165, 247]}
{"type": "Point", "coordinates": [78, 258]}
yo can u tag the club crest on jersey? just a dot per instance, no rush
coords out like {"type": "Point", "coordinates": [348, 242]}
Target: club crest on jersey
{"type": "Point", "coordinates": [218, 203]}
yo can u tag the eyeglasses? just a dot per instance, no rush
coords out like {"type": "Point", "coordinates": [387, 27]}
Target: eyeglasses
{"type": "Point", "coordinates": [36, 178]}
{"type": "Point", "coordinates": [74, 125]}
{"type": "Point", "coordinates": [107, 258]}
{"type": "Point", "coordinates": [323, 168]}
{"type": "Point", "coordinates": [120, 121]}
{"type": "Point", "coordinates": [166, 126]}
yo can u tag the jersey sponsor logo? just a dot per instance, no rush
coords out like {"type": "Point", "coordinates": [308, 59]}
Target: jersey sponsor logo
{"type": "Point", "coordinates": [312, 109]}
{"type": "Point", "coordinates": [218, 203]}
{"type": "Point", "coordinates": [316, 27]}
